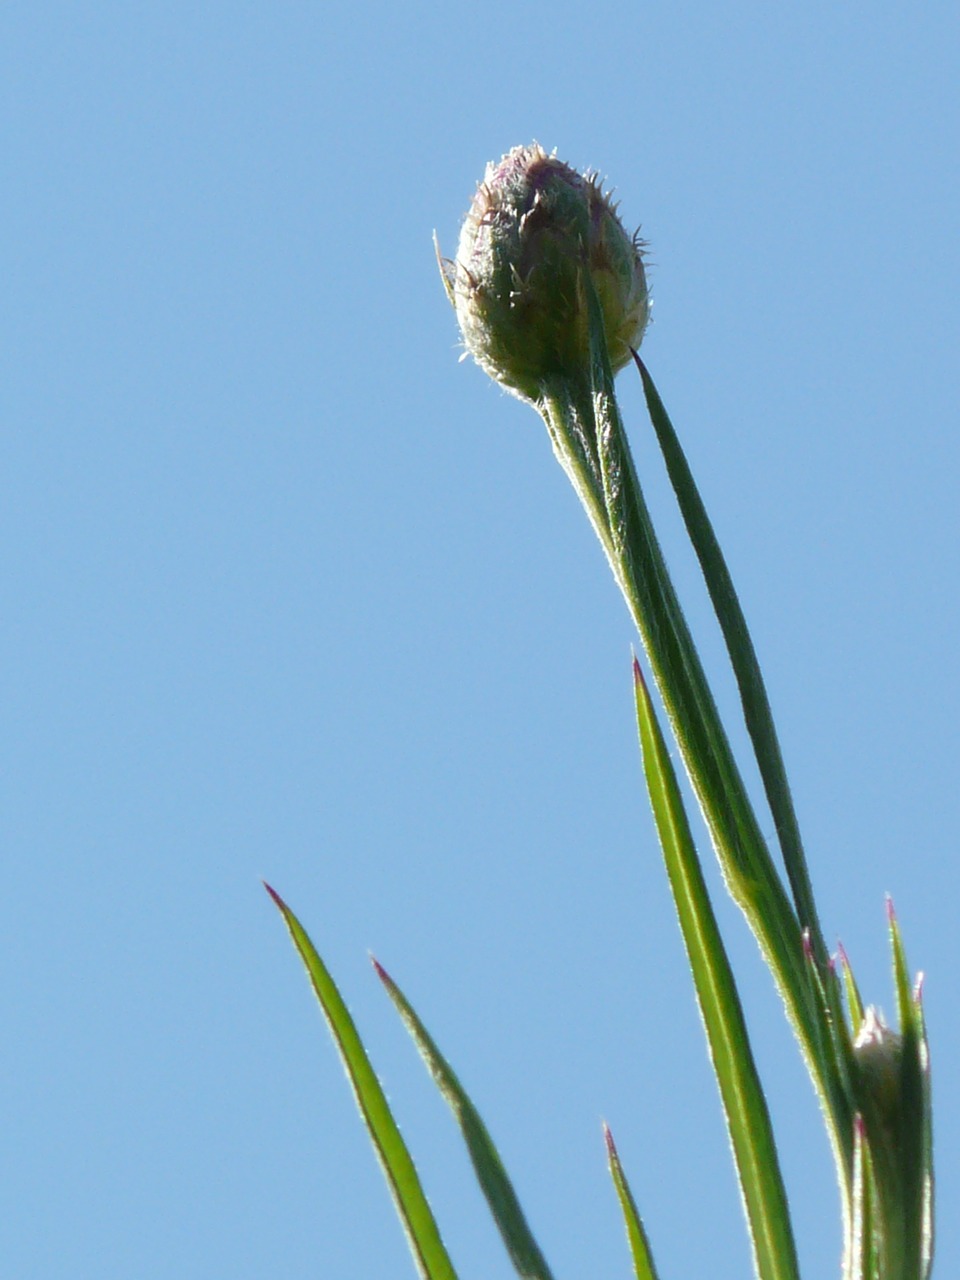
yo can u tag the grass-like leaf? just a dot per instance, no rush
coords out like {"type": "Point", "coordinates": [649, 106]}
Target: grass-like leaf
{"type": "Point", "coordinates": [524, 1251]}
{"type": "Point", "coordinates": [745, 1108]}
{"type": "Point", "coordinates": [423, 1235]}
{"type": "Point", "coordinates": [588, 436]}
{"type": "Point", "coordinates": [643, 1268]}
{"type": "Point", "coordinates": [857, 1258]}
{"type": "Point", "coordinates": [915, 1147]}
{"type": "Point", "coordinates": [854, 999]}
{"type": "Point", "coordinates": [743, 659]}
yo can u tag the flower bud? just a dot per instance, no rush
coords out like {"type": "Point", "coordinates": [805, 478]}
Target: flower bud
{"type": "Point", "coordinates": [879, 1053]}
{"type": "Point", "coordinates": [536, 230]}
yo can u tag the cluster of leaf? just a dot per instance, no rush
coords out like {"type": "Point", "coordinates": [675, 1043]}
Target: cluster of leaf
{"type": "Point", "coordinates": [872, 1083]}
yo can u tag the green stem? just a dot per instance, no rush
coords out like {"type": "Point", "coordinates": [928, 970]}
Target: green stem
{"type": "Point", "coordinates": [585, 427]}
{"type": "Point", "coordinates": [753, 693]}
{"type": "Point", "coordinates": [622, 522]}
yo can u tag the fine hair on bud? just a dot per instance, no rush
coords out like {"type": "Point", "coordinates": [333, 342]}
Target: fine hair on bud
{"type": "Point", "coordinates": [537, 236]}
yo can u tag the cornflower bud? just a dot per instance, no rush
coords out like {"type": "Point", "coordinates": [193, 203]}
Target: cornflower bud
{"type": "Point", "coordinates": [878, 1052]}
{"type": "Point", "coordinates": [537, 237]}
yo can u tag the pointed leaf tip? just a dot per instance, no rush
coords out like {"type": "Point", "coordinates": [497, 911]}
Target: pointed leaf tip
{"type": "Point", "coordinates": [891, 913]}
{"type": "Point", "coordinates": [488, 1167]}
{"type": "Point", "coordinates": [643, 1268]}
{"type": "Point", "coordinates": [274, 895]}
{"type": "Point", "coordinates": [381, 972]}
{"type": "Point", "coordinates": [447, 274]}
{"type": "Point", "coordinates": [745, 1108]}
{"type": "Point", "coordinates": [423, 1235]}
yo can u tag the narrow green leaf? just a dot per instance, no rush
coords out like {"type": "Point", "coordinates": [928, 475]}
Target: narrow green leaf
{"type": "Point", "coordinates": [643, 575]}
{"type": "Point", "coordinates": [914, 1148]}
{"type": "Point", "coordinates": [838, 1043]}
{"type": "Point", "coordinates": [906, 1008]}
{"type": "Point", "coordinates": [858, 1251]}
{"type": "Point", "coordinates": [643, 1268]}
{"type": "Point", "coordinates": [588, 437]}
{"type": "Point", "coordinates": [854, 1000]}
{"type": "Point", "coordinates": [743, 659]}
{"type": "Point", "coordinates": [826, 1060]}
{"type": "Point", "coordinates": [494, 1182]}
{"type": "Point", "coordinates": [748, 1121]}
{"type": "Point", "coordinates": [926, 1224]}
{"type": "Point", "coordinates": [855, 1261]}
{"type": "Point", "coordinates": [415, 1214]}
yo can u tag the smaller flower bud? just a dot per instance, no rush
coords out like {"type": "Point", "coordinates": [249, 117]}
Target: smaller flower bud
{"type": "Point", "coordinates": [879, 1052]}
{"type": "Point", "coordinates": [535, 230]}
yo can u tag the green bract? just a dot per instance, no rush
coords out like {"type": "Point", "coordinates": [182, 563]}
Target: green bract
{"type": "Point", "coordinates": [535, 228]}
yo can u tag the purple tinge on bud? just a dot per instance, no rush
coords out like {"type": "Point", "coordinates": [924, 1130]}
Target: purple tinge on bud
{"type": "Point", "coordinates": [536, 232]}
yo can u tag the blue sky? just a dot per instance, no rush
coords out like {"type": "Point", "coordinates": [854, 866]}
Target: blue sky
{"type": "Point", "coordinates": [291, 593]}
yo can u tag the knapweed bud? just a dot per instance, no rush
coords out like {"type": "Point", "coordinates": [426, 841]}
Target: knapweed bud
{"type": "Point", "coordinates": [879, 1053]}
{"type": "Point", "coordinates": [536, 232]}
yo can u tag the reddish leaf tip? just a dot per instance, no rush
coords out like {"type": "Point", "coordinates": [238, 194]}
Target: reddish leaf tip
{"type": "Point", "coordinates": [843, 957]}
{"type": "Point", "coordinates": [608, 1139]}
{"type": "Point", "coordinates": [274, 895]}
{"type": "Point", "coordinates": [859, 1128]}
{"type": "Point", "coordinates": [381, 972]}
{"type": "Point", "coordinates": [891, 914]}
{"type": "Point", "coordinates": [918, 988]}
